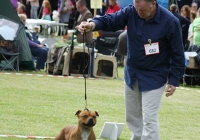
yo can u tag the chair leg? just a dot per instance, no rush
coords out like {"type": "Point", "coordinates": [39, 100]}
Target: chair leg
{"type": "Point", "coordinates": [117, 72]}
{"type": "Point", "coordinates": [17, 65]}
{"type": "Point", "coordinates": [9, 63]}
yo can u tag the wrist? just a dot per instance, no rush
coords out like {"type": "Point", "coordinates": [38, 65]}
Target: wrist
{"type": "Point", "coordinates": [91, 27]}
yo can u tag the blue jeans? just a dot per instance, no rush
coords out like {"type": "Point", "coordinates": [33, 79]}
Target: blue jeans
{"type": "Point", "coordinates": [34, 12]}
{"type": "Point", "coordinates": [41, 54]}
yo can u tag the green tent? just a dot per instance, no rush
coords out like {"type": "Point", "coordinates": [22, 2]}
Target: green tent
{"type": "Point", "coordinates": [8, 13]}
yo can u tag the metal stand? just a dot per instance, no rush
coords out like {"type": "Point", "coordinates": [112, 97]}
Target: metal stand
{"type": "Point", "coordinates": [71, 54]}
{"type": "Point", "coordinates": [72, 46]}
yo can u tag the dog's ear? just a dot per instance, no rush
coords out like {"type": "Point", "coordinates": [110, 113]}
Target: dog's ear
{"type": "Point", "coordinates": [96, 113]}
{"type": "Point", "coordinates": [77, 113]}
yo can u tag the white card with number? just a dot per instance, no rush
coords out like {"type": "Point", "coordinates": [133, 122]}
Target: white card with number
{"type": "Point", "coordinates": [152, 48]}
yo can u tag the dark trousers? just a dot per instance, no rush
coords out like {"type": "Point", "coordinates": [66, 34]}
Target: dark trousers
{"type": "Point", "coordinates": [64, 31]}
{"type": "Point", "coordinates": [41, 54]}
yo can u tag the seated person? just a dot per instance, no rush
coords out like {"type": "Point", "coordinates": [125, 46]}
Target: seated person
{"type": "Point", "coordinates": [21, 9]}
{"type": "Point", "coordinates": [37, 49]}
{"type": "Point", "coordinates": [84, 15]}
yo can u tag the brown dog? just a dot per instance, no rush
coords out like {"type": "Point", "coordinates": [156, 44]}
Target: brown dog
{"type": "Point", "coordinates": [84, 129]}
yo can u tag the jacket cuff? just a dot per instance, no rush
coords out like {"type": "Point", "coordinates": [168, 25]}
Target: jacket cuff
{"type": "Point", "coordinates": [173, 81]}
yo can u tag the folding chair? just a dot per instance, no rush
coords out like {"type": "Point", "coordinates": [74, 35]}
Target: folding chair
{"type": "Point", "coordinates": [105, 45]}
{"type": "Point", "coordinates": [9, 55]}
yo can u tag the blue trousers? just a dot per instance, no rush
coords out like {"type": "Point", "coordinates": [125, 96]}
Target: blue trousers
{"type": "Point", "coordinates": [34, 11]}
{"type": "Point", "coordinates": [41, 54]}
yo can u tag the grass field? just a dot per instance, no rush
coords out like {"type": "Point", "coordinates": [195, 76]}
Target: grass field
{"type": "Point", "coordinates": [42, 105]}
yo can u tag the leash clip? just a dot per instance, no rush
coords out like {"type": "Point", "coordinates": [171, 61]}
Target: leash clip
{"type": "Point", "coordinates": [86, 109]}
{"type": "Point", "coordinates": [149, 40]}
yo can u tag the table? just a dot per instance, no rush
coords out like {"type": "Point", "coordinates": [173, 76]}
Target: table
{"type": "Point", "coordinates": [46, 24]}
{"type": "Point", "coordinates": [192, 75]}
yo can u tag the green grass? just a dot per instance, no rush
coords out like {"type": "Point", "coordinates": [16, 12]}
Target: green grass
{"type": "Point", "coordinates": [41, 106]}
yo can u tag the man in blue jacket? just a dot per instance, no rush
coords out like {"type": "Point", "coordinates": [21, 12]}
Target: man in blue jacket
{"type": "Point", "coordinates": [155, 61]}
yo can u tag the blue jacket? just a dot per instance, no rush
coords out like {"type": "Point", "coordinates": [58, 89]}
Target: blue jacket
{"type": "Point", "coordinates": [152, 71]}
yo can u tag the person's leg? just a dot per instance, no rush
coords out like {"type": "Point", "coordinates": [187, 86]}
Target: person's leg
{"type": "Point", "coordinates": [34, 12]}
{"type": "Point", "coordinates": [31, 13]}
{"type": "Point", "coordinates": [65, 29]}
{"type": "Point", "coordinates": [133, 108]}
{"type": "Point", "coordinates": [41, 54]}
{"type": "Point", "coordinates": [151, 101]}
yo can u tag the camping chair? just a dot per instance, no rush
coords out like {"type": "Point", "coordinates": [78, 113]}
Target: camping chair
{"type": "Point", "coordinates": [9, 55]}
{"type": "Point", "coordinates": [106, 45]}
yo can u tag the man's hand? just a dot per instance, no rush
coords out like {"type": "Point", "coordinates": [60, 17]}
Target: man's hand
{"type": "Point", "coordinates": [85, 26]}
{"type": "Point", "coordinates": [41, 46]}
{"type": "Point", "coordinates": [170, 90]}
